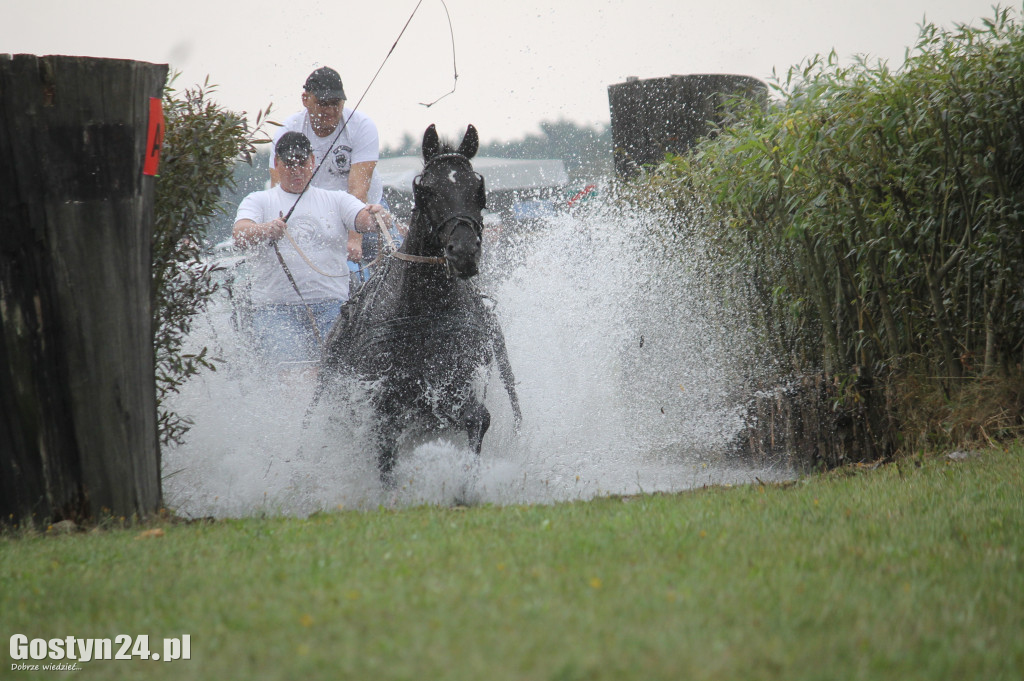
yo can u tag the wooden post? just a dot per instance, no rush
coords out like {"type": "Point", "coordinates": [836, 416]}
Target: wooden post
{"type": "Point", "coordinates": [658, 115]}
{"type": "Point", "coordinates": [78, 433]}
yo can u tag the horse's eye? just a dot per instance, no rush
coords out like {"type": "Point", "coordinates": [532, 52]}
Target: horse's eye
{"type": "Point", "coordinates": [421, 192]}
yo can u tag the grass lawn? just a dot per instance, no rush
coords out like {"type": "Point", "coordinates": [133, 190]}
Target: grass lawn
{"type": "Point", "coordinates": [909, 571]}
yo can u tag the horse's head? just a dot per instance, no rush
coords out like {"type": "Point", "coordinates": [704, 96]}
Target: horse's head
{"type": "Point", "coordinates": [449, 198]}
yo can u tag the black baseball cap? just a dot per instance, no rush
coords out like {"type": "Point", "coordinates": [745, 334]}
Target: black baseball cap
{"type": "Point", "coordinates": [293, 148]}
{"type": "Point", "coordinates": [325, 84]}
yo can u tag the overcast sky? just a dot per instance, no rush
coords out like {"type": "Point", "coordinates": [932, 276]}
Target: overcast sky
{"type": "Point", "coordinates": [519, 62]}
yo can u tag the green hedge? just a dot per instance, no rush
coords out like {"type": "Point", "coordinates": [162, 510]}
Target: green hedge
{"type": "Point", "coordinates": [878, 216]}
{"type": "Point", "coordinates": [201, 145]}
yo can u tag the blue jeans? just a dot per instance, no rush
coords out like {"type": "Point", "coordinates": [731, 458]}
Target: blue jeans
{"type": "Point", "coordinates": [284, 332]}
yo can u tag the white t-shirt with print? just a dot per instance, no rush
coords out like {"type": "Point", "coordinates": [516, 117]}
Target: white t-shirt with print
{"type": "Point", "coordinates": [319, 225]}
{"type": "Point", "coordinates": [358, 142]}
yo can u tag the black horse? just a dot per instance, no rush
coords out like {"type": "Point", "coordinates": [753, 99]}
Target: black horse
{"type": "Point", "coordinates": [419, 331]}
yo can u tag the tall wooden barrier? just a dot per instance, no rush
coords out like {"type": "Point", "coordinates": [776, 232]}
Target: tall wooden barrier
{"type": "Point", "coordinates": [78, 431]}
{"type": "Point", "coordinates": [658, 115]}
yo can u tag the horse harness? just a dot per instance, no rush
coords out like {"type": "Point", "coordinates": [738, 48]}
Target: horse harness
{"type": "Point", "coordinates": [441, 225]}
{"type": "Point", "coordinates": [392, 250]}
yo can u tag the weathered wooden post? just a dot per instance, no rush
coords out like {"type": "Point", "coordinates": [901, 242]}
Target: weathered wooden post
{"type": "Point", "coordinates": [78, 431]}
{"type": "Point", "coordinates": [658, 115]}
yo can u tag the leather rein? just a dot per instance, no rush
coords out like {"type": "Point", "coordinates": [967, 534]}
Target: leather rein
{"type": "Point", "coordinates": [389, 242]}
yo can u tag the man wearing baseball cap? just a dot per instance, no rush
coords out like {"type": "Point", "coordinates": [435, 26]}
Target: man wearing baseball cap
{"type": "Point", "coordinates": [349, 158]}
{"type": "Point", "coordinates": [293, 286]}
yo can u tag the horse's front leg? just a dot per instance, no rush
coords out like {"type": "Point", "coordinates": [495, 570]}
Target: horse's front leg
{"type": "Point", "coordinates": [505, 369]}
{"type": "Point", "coordinates": [387, 432]}
{"type": "Point", "coordinates": [476, 420]}
{"type": "Point", "coordinates": [386, 457]}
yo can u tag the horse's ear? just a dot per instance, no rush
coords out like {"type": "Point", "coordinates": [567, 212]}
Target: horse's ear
{"type": "Point", "coordinates": [470, 143]}
{"type": "Point", "coordinates": [431, 143]}
{"type": "Point", "coordinates": [481, 194]}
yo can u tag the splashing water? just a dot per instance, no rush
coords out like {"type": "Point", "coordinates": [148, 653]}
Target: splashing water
{"type": "Point", "coordinates": [624, 369]}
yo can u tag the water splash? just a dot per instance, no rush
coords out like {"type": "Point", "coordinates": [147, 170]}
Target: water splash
{"type": "Point", "coordinates": [626, 374]}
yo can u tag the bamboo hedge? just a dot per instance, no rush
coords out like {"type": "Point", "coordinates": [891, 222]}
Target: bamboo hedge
{"type": "Point", "coordinates": [877, 216]}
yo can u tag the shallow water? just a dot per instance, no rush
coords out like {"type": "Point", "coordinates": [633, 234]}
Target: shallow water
{"type": "Point", "coordinates": [625, 373]}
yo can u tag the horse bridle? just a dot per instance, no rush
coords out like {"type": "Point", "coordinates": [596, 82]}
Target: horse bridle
{"type": "Point", "coordinates": [448, 224]}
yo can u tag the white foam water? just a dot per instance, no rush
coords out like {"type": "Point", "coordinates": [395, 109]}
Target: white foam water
{"type": "Point", "coordinates": [625, 370]}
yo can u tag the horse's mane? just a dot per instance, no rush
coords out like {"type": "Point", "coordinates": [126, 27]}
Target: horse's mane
{"type": "Point", "coordinates": [448, 147]}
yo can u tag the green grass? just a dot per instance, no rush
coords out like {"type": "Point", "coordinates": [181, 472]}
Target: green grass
{"type": "Point", "coordinates": [904, 572]}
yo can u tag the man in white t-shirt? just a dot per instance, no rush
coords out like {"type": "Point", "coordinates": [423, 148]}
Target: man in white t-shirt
{"type": "Point", "coordinates": [319, 225]}
{"type": "Point", "coordinates": [345, 140]}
